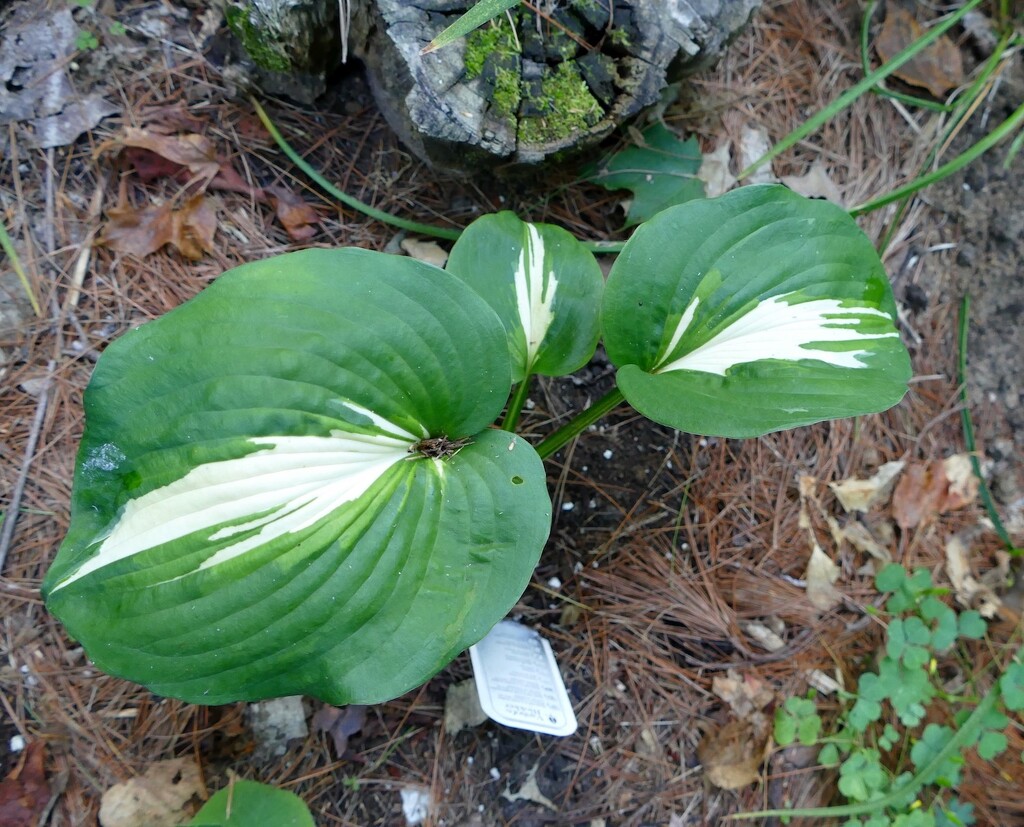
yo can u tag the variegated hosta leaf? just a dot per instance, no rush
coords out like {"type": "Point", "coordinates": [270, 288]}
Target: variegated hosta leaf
{"type": "Point", "coordinates": [287, 486]}
{"type": "Point", "coordinates": [753, 312]}
{"type": "Point", "coordinates": [543, 284]}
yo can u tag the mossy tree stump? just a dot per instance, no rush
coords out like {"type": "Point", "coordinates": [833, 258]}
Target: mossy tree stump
{"type": "Point", "coordinates": [545, 80]}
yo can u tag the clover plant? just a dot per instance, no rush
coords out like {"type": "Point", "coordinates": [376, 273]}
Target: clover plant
{"type": "Point", "coordinates": [896, 764]}
{"type": "Point", "coordinates": [292, 484]}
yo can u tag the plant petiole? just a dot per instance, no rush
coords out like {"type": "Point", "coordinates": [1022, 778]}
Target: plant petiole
{"type": "Point", "coordinates": [515, 405]}
{"type": "Point", "coordinates": [579, 423]}
{"type": "Point", "coordinates": [447, 233]}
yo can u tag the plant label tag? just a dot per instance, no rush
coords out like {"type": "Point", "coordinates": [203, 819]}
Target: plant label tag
{"type": "Point", "coordinates": [518, 681]}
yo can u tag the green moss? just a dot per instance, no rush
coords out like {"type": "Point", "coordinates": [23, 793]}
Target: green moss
{"type": "Point", "coordinates": [265, 55]}
{"type": "Point", "coordinates": [566, 104]}
{"type": "Point", "coordinates": [507, 93]}
{"type": "Point", "coordinates": [620, 37]}
{"type": "Point", "coordinates": [483, 42]}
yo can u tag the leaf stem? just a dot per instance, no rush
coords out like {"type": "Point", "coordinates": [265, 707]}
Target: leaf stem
{"type": "Point", "coordinates": [584, 419]}
{"type": "Point", "coordinates": [447, 233]}
{"type": "Point", "coordinates": [343, 197]}
{"type": "Point", "coordinates": [865, 84]}
{"type": "Point", "coordinates": [515, 405]}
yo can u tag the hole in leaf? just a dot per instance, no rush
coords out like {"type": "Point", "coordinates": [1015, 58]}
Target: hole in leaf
{"type": "Point", "coordinates": [517, 480]}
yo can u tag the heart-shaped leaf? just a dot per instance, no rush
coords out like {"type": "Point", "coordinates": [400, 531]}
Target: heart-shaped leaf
{"type": "Point", "coordinates": [286, 487]}
{"type": "Point", "coordinates": [246, 803]}
{"type": "Point", "coordinates": [753, 312]}
{"type": "Point", "coordinates": [544, 285]}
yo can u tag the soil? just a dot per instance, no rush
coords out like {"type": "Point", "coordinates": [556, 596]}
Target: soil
{"type": "Point", "coordinates": [668, 553]}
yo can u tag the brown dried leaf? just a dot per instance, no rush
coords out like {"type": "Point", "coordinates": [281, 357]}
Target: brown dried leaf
{"type": "Point", "coordinates": [732, 755]}
{"type": "Point", "coordinates": [932, 488]}
{"type": "Point", "coordinates": [745, 693]}
{"type": "Point", "coordinates": [340, 723]}
{"type": "Point", "coordinates": [863, 495]}
{"type": "Point", "coordinates": [858, 536]}
{"type": "Point", "coordinates": [160, 797]}
{"type": "Point", "coordinates": [183, 158]}
{"type": "Point", "coordinates": [968, 590]}
{"type": "Point", "coordinates": [822, 573]}
{"type": "Point", "coordinates": [816, 183]}
{"type": "Point", "coordinates": [938, 68]}
{"type": "Point", "coordinates": [299, 219]}
{"type": "Point", "coordinates": [25, 793]}
{"type": "Point", "coordinates": [428, 251]}
{"type": "Point", "coordinates": [191, 151]}
{"type": "Point", "coordinates": [141, 232]}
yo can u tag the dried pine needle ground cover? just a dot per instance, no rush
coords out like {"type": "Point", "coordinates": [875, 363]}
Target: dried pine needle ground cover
{"type": "Point", "coordinates": [677, 560]}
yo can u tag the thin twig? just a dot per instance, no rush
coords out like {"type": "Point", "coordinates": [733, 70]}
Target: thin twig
{"type": "Point", "coordinates": [7, 533]}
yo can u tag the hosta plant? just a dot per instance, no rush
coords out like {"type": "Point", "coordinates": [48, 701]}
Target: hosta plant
{"type": "Point", "coordinates": [293, 483]}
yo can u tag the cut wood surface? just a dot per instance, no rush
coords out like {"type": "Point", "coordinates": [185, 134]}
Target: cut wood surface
{"type": "Point", "coordinates": [542, 80]}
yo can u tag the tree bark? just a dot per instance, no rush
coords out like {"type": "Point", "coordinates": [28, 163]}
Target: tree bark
{"type": "Point", "coordinates": [547, 80]}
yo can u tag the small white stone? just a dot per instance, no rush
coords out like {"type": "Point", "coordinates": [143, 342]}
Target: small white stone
{"type": "Point", "coordinates": [554, 583]}
{"type": "Point", "coordinates": [495, 774]}
{"type": "Point", "coordinates": [607, 454]}
{"type": "Point", "coordinates": [568, 506]}
{"type": "Point", "coordinates": [17, 743]}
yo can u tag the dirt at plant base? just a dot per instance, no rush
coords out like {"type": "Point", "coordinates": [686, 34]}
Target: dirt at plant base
{"type": "Point", "coordinates": [674, 559]}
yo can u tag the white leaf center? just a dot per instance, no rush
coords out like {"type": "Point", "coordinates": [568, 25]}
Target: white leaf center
{"type": "Point", "coordinates": [776, 329]}
{"type": "Point", "coordinates": [535, 294]}
{"type": "Point", "coordinates": [291, 484]}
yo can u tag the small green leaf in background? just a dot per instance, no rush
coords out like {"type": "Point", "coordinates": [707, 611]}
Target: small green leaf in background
{"type": "Point", "coordinates": [474, 18]}
{"type": "Point", "coordinates": [249, 803]}
{"type": "Point", "coordinates": [1011, 685]}
{"type": "Point", "coordinates": [661, 172]}
{"type": "Point", "coordinates": [972, 625]}
{"type": "Point", "coordinates": [544, 285]}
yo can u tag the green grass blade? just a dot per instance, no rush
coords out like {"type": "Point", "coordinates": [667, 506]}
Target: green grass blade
{"type": "Point", "coordinates": [447, 233]}
{"type": "Point", "coordinates": [968, 426]}
{"type": "Point", "coordinates": [865, 85]}
{"type": "Point", "coordinates": [12, 254]}
{"type": "Point", "coordinates": [959, 162]}
{"type": "Point", "coordinates": [473, 19]}
{"type": "Point", "coordinates": [343, 197]}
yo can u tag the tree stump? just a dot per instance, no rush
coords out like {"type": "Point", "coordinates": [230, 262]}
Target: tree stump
{"type": "Point", "coordinates": [543, 81]}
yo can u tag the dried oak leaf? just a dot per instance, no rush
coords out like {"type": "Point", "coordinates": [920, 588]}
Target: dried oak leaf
{"type": "Point", "coordinates": [191, 151]}
{"type": "Point", "coordinates": [161, 797]}
{"type": "Point", "coordinates": [732, 755]}
{"type": "Point", "coordinates": [340, 723]}
{"type": "Point", "coordinates": [141, 232]}
{"type": "Point", "coordinates": [184, 158]}
{"type": "Point", "coordinates": [299, 218]}
{"type": "Point", "coordinates": [25, 793]}
{"type": "Point", "coordinates": [928, 489]}
{"type": "Point", "coordinates": [938, 68]}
